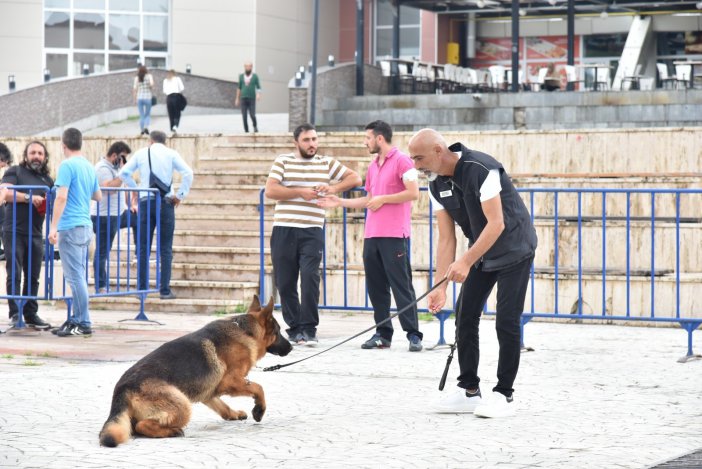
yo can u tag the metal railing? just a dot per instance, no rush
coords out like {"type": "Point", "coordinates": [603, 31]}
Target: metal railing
{"type": "Point", "coordinates": [119, 281]}
{"type": "Point", "coordinates": [605, 261]}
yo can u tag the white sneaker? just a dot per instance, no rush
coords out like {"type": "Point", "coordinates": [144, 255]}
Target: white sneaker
{"type": "Point", "coordinates": [496, 406]}
{"type": "Point", "coordinates": [457, 402]}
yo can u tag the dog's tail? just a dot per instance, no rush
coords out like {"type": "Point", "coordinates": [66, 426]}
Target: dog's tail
{"type": "Point", "coordinates": [118, 427]}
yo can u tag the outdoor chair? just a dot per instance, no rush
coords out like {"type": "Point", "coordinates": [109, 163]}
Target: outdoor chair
{"type": "Point", "coordinates": [633, 80]}
{"type": "Point", "coordinates": [664, 77]}
{"type": "Point", "coordinates": [572, 76]}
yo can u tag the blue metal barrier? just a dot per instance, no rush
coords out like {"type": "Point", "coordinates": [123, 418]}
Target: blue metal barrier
{"type": "Point", "coordinates": [21, 297]}
{"type": "Point", "coordinates": [118, 283]}
{"type": "Point", "coordinates": [607, 217]}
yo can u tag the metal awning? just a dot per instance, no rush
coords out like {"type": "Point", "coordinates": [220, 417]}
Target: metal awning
{"type": "Point", "coordinates": [492, 8]}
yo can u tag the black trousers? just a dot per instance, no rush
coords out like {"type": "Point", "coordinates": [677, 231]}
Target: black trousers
{"type": "Point", "coordinates": [296, 253]}
{"type": "Point", "coordinates": [387, 267]}
{"type": "Point", "coordinates": [19, 258]}
{"type": "Point", "coordinates": [172, 104]}
{"type": "Point", "coordinates": [249, 105]}
{"type": "Point", "coordinates": [511, 290]}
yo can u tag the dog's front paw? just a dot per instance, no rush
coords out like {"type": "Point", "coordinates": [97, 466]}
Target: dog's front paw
{"type": "Point", "coordinates": [258, 412]}
{"type": "Point", "coordinates": [237, 415]}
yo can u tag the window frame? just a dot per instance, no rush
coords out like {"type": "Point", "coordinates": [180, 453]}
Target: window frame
{"type": "Point", "coordinates": [140, 56]}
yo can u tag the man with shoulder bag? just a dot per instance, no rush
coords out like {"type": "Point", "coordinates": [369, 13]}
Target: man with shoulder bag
{"type": "Point", "coordinates": [155, 165]}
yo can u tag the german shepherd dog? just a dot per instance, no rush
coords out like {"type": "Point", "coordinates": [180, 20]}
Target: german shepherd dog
{"type": "Point", "coordinates": [153, 397]}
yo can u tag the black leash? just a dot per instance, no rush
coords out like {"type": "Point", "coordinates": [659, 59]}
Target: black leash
{"type": "Point", "coordinates": [448, 365]}
{"type": "Point", "coordinates": [277, 367]}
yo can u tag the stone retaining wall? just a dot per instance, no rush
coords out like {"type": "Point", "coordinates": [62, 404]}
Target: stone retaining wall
{"type": "Point", "coordinates": [57, 103]}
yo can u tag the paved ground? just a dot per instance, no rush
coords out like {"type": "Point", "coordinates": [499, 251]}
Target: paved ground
{"type": "Point", "coordinates": [590, 396]}
{"type": "Point", "coordinates": [196, 121]}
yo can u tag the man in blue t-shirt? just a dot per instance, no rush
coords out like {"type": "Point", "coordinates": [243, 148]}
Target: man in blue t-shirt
{"type": "Point", "coordinates": [72, 229]}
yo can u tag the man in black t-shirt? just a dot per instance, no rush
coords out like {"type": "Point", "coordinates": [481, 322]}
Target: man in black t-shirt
{"type": "Point", "coordinates": [18, 236]}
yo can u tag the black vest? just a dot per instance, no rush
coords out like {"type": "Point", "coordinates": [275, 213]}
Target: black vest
{"type": "Point", "coordinates": [460, 196]}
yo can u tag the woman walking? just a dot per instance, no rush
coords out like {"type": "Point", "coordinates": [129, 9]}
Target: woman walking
{"type": "Point", "coordinates": [172, 88]}
{"type": "Point", "coordinates": [143, 93]}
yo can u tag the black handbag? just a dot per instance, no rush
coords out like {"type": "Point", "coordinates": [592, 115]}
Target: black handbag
{"type": "Point", "coordinates": [153, 100]}
{"type": "Point", "coordinates": [155, 182]}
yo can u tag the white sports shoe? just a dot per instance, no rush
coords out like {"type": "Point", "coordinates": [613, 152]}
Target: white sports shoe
{"type": "Point", "coordinates": [496, 406]}
{"type": "Point", "coordinates": [457, 402]}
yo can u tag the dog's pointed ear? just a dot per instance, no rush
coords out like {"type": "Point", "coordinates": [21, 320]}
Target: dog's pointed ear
{"type": "Point", "coordinates": [268, 309]}
{"type": "Point", "coordinates": [255, 304]}
{"type": "Point", "coordinates": [270, 305]}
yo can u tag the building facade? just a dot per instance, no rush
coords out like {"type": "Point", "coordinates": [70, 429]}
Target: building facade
{"type": "Point", "coordinates": [63, 39]}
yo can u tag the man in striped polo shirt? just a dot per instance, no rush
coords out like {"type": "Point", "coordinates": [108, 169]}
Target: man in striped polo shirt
{"type": "Point", "coordinates": [295, 181]}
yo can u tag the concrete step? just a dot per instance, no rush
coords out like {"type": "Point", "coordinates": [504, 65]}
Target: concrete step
{"type": "Point", "coordinates": [218, 255]}
{"type": "Point", "coordinates": [225, 290]}
{"type": "Point", "coordinates": [199, 254]}
{"type": "Point", "coordinates": [179, 305]}
{"type": "Point", "coordinates": [271, 150]}
{"type": "Point", "coordinates": [287, 138]}
{"type": "Point", "coordinates": [248, 192]}
{"type": "Point", "coordinates": [263, 163]}
{"type": "Point", "coordinates": [190, 271]}
{"type": "Point", "coordinates": [205, 238]}
{"type": "Point", "coordinates": [223, 206]}
{"type": "Point", "coordinates": [216, 177]}
{"type": "Point", "coordinates": [206, 221]}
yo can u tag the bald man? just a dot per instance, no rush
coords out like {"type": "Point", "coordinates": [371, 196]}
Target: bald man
{"type": "Point", "coordinates": [472, 189]}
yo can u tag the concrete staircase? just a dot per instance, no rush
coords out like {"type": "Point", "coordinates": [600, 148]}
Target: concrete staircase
{"type": "Point", "coordinates": [216, 249]}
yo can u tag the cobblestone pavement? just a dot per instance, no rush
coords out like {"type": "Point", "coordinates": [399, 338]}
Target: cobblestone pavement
{"type": "Point", "coordinates": [590, 396]}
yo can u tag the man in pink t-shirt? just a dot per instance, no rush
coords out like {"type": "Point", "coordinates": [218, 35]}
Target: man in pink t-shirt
{"type": "Point", "coordinates": [391, 186]}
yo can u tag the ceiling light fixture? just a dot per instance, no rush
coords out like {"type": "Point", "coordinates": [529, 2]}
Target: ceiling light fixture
{"type": "Point", "coordinates": [480, 4]}
{"type": "Point", "coordinates": [552, 2]}
{"type": "Point", "coordinates": [699, 5]}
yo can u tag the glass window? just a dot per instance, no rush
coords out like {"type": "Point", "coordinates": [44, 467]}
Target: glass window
{"type": "Point", "coordinates": [409, 30]}
{"type": "Point", "coordinates": [124, 32]}
{"type": "Point", "coordinates": [156, 33]}
{"type": "Point", "coordinates": [89, 4]}
{"type": "Point", "coordinates": [155, 62]}
{"type": "Point", "coordinates": [604, 45]}
{"type": "Point", "coordinates": [679, 43]}
{"type": "Point", "coordinates": [122, 62]}
{"type": "Point", "coordinates": [88, 31]}
{"type": "Point", "coordinates": [56, 29]}
{"type": "Point", "coordinates": [409, 15]}
{"type": "Point", "coordinates": [57, 64]}
{"type": "Point", "coordinates": [383, 43]}
{"type": "Point", "coordinates": [386, 13]}
{"type": "Point", "coordinates": [409, 42]}
{"type": "Point", "coordinates": [95, 62]}
{"type": "Point", "coordinates": [124, 5]}
{"type": "Point", "coordinates": [57, 3]}
{"type": "Point", "coordinates": [160, 6]}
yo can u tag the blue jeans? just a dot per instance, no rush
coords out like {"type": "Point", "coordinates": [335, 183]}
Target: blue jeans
{"type": "Point", "coordinates": [144, 107]}
{"type": "Point", "coordinates": [105, 236]}
{"type": "Point", "coordinates": [147, 225]}
{"type": "Point", "coordinates": [73, 246]}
